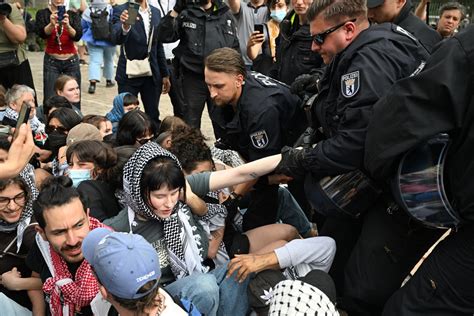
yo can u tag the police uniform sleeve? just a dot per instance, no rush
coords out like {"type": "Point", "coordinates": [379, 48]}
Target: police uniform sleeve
{"type": "Point", "coordinates": [347, 116]}
{"type": "Point", "coordinates": [265, 133]}
{"type": "Point", "coordinates": [168, 30]}
{"type": "Point", "coordinates": [421, 106]}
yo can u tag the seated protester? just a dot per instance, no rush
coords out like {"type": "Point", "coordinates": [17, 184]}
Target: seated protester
{"type": "Point", "coordinates": [15, 97]}
{"type": "Point", "coordinates": [195, 157]}
{"type": "Point", "coordinates": [60, 123]}
{"type": "Point", "coordinates": [117, 260]}
{"type": "Point", "coordinates": [67, 86]}
{"type": "Point", "coordinates": [101, 122]}
{"type": "Point", "coordinates": [169, 125]}
{"type": "Point", "coordinates": [153, 181]}
{"type": "Point", "coordinates": [17, 236]}
{"type": "Point", "coordinates": [56, 258]}
{"type": "Point", "coordinates": [135, 128]}
{"type": "Point", "coordinates": [122, 104]}
{"type": "Point", "coordinates": [89, 162]}
{"type": "Point", "coordinates": [3, 103]}
{"type": "Point", "coordinates": [53, 103]}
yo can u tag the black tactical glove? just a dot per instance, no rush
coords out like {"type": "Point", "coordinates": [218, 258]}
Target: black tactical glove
{"type": "Point", "coordinates": [232, 206]}
{"type": "Point", "coordinates": [291, 163]}
{"type": "Point", "coordinates": [306, 84]}
{"type": "Point", "coordinates": [179, 6]}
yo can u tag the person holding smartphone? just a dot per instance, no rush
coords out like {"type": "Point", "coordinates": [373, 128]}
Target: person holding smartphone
{"type": "Point", "coordinates": [135, 29]}
{"type": "Point", "coordinates": [14, 65]}
{"type": "Point", "coordinates": [60, 29]}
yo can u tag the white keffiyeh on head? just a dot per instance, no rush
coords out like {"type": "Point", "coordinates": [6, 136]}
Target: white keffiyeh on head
{"type": "Point", "coordinates": [182, 240]}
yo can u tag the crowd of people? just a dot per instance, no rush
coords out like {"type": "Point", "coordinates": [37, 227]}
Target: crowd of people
{"type": "Point", "coordinates": [302, 205]}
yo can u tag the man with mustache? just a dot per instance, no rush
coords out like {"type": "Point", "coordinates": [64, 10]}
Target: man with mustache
{"type": "Point", "coordinates": [63, 222]}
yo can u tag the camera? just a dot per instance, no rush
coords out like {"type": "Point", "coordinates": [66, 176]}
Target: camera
{"type": "Point", "coordinates": [5, 8]}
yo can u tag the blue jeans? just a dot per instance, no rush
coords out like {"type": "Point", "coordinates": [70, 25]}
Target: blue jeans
{"type": "Point", "coordinates": [212, 293]}
{"type": "Point", "coordinates": [99, 55]}
{"type": "Point", "coordinates": [53, 68]}
{"type": "Point", "coordinates": [290, 212]}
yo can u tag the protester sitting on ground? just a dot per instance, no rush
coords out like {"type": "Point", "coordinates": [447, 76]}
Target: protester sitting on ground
{"type": "Point", "coordinates": [15, 97]}
{"type": "Point", "coordinates": [3, 103]}
{"type": "Point", "coordinates": [195, 157]}
{"type": "Point", "coordinates": [17, 235]}
{"type": "Point", "coordinates": [89, 163]}
{"type": "Point", "coordinates": [56, 257]}
{"type": "Point", "coordinates": [122, 104]}
{"type": "Point", "coordinates": [117, 260]}
{"type": "Point", "coordinates": [135, 128]}
{"type": "Point", "coordinates": [153, 181]}
{"type": "Point", "coordinates": [60, 122]}
{"type": "Point", "coordinates": [53, 103]}
{"type": "Point", "coordinates": [99, 121]}
{"type": "Point", "coordinates": [19, 154]}
{"type": "Point", "coordinates": [69, 88]}
{"type": "Point", "coordinates": [167, 127]}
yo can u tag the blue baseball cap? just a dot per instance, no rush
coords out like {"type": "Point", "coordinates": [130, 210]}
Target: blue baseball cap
{"type": "Point", "coordinates": [123, 262]}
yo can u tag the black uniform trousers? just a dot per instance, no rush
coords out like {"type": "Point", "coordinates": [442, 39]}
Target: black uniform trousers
{"type": "Point", "coordinates": [389, 245]}
{"type": "Point", "coordinates": [175, 93]}
{"type": "Point", "coordinates": [444, 284]}
{"type": "Point", "coordinates": [196, 95]}
{"type": "Point", "coordinates": [149, 93]}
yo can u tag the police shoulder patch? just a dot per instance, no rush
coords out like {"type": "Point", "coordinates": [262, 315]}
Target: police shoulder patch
{"type": "Point", "coordinates": [350, 84]}
{"type": "Point", "coordinates": [259, 139]}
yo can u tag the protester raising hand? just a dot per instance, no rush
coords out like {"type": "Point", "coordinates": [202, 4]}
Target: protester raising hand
{"type": "Point", "coordinates": [19, 154]}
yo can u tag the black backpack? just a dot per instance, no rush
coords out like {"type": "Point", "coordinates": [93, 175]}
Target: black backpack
{"type": "Point", "coordinates": [101, 28]}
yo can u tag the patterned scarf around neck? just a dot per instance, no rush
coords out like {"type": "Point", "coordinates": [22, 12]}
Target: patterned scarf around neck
{"type": "Point", "coordinates": [37, 127]}
{"type": "Point", "coordinates": [182, 240]}
{"type": "Point", "coordinates": [65, 294]}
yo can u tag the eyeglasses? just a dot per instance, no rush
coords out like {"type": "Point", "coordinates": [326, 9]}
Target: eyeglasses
{"type": "Point", "coordinates": [51, 128]}
{"type": "Point", "coordinates": [320, 37]}
{"type": "Point", "coordinates": [19, 199]}
{"type": "Point", "coordinates": [143, 141]}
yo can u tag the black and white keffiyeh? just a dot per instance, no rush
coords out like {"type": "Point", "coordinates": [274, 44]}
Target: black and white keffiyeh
{"type": "Point", "coordinates": [299, 298]}
{"type": "Point", "coordinates": [182, 240]}
{"type": "Point", "coordinates": [35, 123]}
{"type": "Point", "coordinates": [28, 176]}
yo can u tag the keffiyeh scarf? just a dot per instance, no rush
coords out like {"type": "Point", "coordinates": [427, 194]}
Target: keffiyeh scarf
{"type": "Point", "coordinates": [37, 127]}
{"type": "Point", "coordinates": [65, 293]}
{"type": "Point", "coordinates": [182, 240]}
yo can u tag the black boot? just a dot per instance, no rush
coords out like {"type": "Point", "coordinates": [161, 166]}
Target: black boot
{"type": "Point", "coordinates": [109, 84]}
{"type": "Point", "coordinates": [92, 87]}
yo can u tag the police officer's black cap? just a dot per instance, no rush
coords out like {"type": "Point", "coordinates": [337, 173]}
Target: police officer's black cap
{"type": "Point", "coordinates": [374, 3]}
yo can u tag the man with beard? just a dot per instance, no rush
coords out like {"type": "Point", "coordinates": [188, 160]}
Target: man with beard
{"type": "Point", "coordinates": [57, 258]}
{"type": "Point", "coordinates": [259, 115]}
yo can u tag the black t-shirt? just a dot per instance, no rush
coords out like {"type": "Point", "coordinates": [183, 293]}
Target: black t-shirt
{"type": "Point", "coordinates": [36, 263]}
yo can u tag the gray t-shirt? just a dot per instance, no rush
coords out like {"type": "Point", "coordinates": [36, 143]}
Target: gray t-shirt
{"type": "Point", "coordinates": [199, 183]}
{"type": "Point", "coordinates": [246, 19]}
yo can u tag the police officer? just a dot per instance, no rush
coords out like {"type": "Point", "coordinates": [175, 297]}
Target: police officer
{"type": "Point", "coordinates": [201, 26]}
{"type": "Point", "coordinates": [399, 12]}
{"type": "Point", "coordinates": [438, 100]}
{"type": "Point", "coordinates": [259, 115]}
{"type": "Point", "coordinates": [363, 63]}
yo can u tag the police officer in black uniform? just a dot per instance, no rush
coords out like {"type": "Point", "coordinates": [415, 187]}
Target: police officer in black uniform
{"type": "Point", "coordinates": [438, 100]}
{"type": "Point", "coordinates": [201, 26]}
{"type": "Point", "coordinates": [400, 13]}
{"type": "Point", "coordinates": [259, 115]}
{"type": "Point", "coordinates": [363, 63]}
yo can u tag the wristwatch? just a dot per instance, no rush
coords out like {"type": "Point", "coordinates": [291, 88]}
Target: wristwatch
{"type": "Point", "coordinates": [235, 196]}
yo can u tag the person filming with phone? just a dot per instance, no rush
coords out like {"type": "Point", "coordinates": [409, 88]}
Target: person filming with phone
{"type": "Point", "coordinates": [14, 65]}
{"type": "Point", "coordinates": [142, 65]}
{"type": "Point", "coordinates": [60, 29]}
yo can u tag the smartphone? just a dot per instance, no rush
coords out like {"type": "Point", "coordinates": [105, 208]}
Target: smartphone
{"type": "Point", "coordinates": [61, 11]}
{"type": "Point", "coordinates": [23, 117]}
{"type": "Point", "coordinates": [258, 28]}
{"type": "Point", "coordinates": [132, 12]}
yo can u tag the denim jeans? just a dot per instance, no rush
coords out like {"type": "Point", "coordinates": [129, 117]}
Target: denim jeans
{"type": "Point", "coordinates": [290, 212]}
{"type": "Point", "coordinates": [53, 68]}
{"type": "Point", "coordinates": [99, 55]}
{"type": "Point", "coordinates": [212, 293]}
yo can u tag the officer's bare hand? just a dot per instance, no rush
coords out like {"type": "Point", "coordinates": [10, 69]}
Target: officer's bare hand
{"type": "Point", "coordinates": [243, 265]}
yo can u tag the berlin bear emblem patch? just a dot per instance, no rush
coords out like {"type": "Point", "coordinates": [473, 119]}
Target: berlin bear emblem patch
{"type": "Point", "coordinates": [350, 84]}
{"type": "Point", "coordinates": [259, 139]}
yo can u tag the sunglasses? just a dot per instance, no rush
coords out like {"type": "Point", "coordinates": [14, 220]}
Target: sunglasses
{"type": "Point", "coordinates": [143, 141]}
{"type": "Point", "coordinates": [50, 128]}
{"type": "Point", "coordinates": [320, 37]}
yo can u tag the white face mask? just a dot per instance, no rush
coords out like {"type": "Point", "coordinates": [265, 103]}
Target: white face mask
{"type": "Point", "coordinates": [79, 175]}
